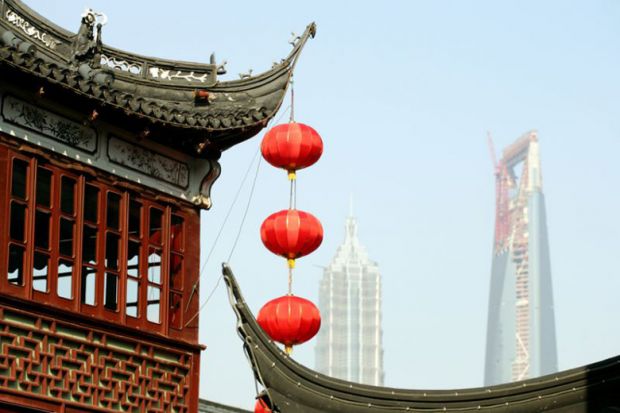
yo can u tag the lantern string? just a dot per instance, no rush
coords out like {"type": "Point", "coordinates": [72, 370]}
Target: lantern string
{"type": "Point", "coordinates": [292, 118]}
{"type": "Point", "coordinates": [292, 202]}
{"type": "Point", "coordinates": [290, 281]}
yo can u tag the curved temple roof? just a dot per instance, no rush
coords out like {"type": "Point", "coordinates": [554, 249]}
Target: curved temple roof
{"type": "Point", "coordinates": [161, 99]}
{"type": "Point", "coordinates": [291, 387]}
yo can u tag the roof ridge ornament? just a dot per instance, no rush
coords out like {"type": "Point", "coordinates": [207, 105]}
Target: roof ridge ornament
{"type": "Point", "coordinates": [246, 75]}
{"type": "Point", "coordinates": [87, 46]}
{"type": "Point", "coordinates": [221, 68]}
{"type": "Point", "coordinates": [97, 17]}
{"type": "Point", "coordinates": [294, 39]}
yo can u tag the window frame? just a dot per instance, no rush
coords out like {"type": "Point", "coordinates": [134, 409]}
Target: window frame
{"type": "Point", "coordinates": [9, 287]}
{"type": "Point", "coordinates": [79, 221]}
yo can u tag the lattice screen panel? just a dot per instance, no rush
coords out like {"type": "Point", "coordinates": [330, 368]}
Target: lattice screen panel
{"type": "Point", "coordinates": [76, 366]}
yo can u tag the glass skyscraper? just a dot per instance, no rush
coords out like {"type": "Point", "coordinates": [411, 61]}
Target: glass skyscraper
{"type": "Point", "coordinates": [349, 343]}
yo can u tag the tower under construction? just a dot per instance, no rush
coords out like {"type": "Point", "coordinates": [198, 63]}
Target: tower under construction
{"type": "Point", "coordinates": [521, 339]}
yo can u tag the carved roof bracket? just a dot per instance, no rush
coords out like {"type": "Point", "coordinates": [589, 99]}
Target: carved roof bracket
{"type": "Point", "coordinates": [204, 198]}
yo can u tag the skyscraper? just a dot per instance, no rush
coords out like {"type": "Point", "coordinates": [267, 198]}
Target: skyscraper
{"type": "Point", "coordinates": [521, 328]}
{"type": "Point", "coordinates": [349, 343]}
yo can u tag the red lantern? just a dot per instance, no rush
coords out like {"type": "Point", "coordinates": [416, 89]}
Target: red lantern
{"type": "Point", "coordinates": [292, 234]}
{"type": "Point", "coordinates": [261, 407]}
{"type": "Point", "coordinates": [292, 146]}
{"type": "Point", "coordinates": [290, 320]}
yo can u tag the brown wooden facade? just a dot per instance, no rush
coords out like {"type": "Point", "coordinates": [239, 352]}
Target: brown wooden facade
{"type": "Point", "coordinates": [96, 293]}
{"type": "Point", "coordinates": [81, 242]}
{"type": "Point", "coordinates": [107, 159]}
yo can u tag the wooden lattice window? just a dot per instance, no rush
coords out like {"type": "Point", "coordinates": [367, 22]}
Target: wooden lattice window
{"type": "Point", "coordinates": [87, 245]}
{"type": "Point", "coordinates": [19, 205]}
{"type": "Point", "coordinates": [175, 272]}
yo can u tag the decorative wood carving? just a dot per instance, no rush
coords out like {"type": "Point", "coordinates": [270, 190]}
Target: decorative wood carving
{"type": "Point", "coordinates": [148, 162]}
{"type": "Point", "coordinates": [48, 124]}
{"type": "Point", "coordinates": [30, 30]}
{"type": "Point", "coordinates": [77, 366]}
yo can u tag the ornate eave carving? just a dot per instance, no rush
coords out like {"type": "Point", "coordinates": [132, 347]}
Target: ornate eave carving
{"type": "Point", "coordinates": [161, 95]}
{"type": "Point", "coordinates": [99, 145]}
{"type": "Point", "coordinates": [26, 27]}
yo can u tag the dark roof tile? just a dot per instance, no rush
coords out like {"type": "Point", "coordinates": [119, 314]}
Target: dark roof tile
{"type": "Point", "coordinates": [162, 92]}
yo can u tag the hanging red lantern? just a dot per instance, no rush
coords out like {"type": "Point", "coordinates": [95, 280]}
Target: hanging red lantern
{"type": "Point", "coordinates": [292, 146]}
{"type": "Point", "coordinates": [261, 407]}
{"type": "Point", "coordinates": [290, 320]}
{"type": "Point", "coordinates": [292, 234]}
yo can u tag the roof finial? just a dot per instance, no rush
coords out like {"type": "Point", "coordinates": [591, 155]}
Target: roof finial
{"type": "Point", "coordinates": [294, 39]}
{"type": "Point", "coordinates": [351, 225]}
{"type": "Point", "coordinates": [87, 45]}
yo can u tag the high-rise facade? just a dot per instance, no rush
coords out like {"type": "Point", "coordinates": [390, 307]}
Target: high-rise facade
{"type": "Point", "coordinates": [349, 343]}
{"type": "Point", "coordinates": [521, 339]}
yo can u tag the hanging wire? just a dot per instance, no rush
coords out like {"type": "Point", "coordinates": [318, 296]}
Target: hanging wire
{"type": "Point", "coordinates": [245, 213]}
{"type": "Point", "coordinates": [221, 230]}
{"type": "Point", "coordinates": [204, 304]}
{"type": "Point", "coordinates": [204, 264]}
{"type": "Point", "coordinates": [245, 177]}
{"type": "Point", "coordinates": [292, 118]}
{"type": "Point", "coordinates": [247, 207]}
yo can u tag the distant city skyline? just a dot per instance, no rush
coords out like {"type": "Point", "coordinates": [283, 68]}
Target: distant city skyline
{"type": "Point", "coordinates": [402, 93]}
{"type": "Point", "coordinates": [349, 344]}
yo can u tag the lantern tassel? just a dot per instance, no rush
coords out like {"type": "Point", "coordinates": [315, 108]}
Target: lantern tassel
{"type": "Point", "coordinates": [288, 350]}
{"type": "Point", "coordinates": [292, 175]}
{"type": "Point", "coordinates": [291, 263]}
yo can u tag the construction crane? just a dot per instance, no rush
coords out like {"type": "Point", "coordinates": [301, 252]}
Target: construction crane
{"type": "Point", "coordinates": [492, 152]}
{"type": "Point", "coordinates": [502, 212]}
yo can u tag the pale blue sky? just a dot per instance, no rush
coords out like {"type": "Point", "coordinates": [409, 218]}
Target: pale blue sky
{"type": "Point", "coordinates": [403, 94]}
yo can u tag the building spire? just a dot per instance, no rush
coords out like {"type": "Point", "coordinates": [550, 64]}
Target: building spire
{"type": "Point", "coordinates": [351, 225]}
{"type": "Point", "coordinates": [351, 205]}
